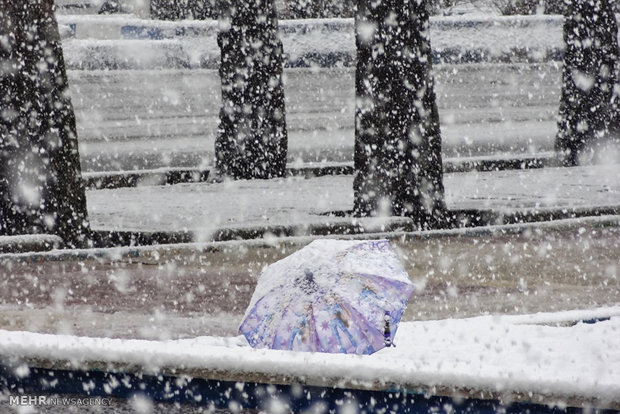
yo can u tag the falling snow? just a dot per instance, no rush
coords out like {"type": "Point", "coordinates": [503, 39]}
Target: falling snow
{"type": "Point", "coordinates": [157, 157]}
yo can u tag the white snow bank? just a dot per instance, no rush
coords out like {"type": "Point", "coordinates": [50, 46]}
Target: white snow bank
{"type": "Point", "coordinates": [491, 353]}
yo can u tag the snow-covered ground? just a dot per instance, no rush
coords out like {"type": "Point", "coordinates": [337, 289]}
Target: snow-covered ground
{"type": "Point", "coordinates": [203, 208]}
{"type": "Point", "coordinates": [541, 358]}
{"type": "Point", "coordinates": [168, 118]}
{"type": "Point", "coordinates": [155, 103]}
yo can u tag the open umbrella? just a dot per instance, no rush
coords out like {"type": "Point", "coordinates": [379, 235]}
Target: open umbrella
{"type": "Point", "coordinates": [331, 296]}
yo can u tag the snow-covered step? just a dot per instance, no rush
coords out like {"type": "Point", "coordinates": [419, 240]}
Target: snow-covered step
{"type": "Point", "coordinates": [498, 359]}
{"type": "Point", "coordinates": [131, 43]}
{"type": "Point", "coordinates": [303, 204]}
{"type": "Point", "coordinates": [168, 118]}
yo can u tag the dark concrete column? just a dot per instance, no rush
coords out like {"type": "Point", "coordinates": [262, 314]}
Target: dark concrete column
{"type": "Point", "coordinates": [252, 137]}
{"type": "Point", "coordinates": [588, 106]}
{"type": "Point", "coordinates": [397, 137]}
{"type": "Point", "coordinates": [41, 188]}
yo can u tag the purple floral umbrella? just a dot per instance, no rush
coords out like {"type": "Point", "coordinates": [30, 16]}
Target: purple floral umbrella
{"type": "Point", "coordinates": [331, 296]}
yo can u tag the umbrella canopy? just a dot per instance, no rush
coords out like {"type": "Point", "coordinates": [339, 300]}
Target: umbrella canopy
{"type": "Point", "coordinates": [331, 296]}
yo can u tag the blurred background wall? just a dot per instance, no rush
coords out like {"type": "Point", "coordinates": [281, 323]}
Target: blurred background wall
{"type": "Point", "coordinates": [301, 9]}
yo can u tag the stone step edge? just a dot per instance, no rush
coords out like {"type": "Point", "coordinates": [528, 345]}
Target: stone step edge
{"type": "Point", "coordinates": [176, 175]}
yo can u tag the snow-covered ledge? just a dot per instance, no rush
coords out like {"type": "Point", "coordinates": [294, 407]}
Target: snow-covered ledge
{"type": "Point", "coordinates": [542, 358]}
{"type": "Point", "coordinates": [29, 243]}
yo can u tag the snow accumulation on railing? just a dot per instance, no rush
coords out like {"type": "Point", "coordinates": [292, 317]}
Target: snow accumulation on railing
{"type": "Point", "coordinates": [126, 42]}
{"type": "Point", "coordinates": [505, 355]}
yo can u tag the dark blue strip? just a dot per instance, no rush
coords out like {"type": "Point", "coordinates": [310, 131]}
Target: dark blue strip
{"type": "Point", "coordinates": [594, 320]}
{"type": "Point", "coordinates": [73, 28]}
{"type": "Point", "coordinates": [142, 32]}
{"type": "Point", "coordinates": [248, 395]}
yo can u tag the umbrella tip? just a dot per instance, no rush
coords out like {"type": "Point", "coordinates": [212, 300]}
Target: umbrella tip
{"type": "Point", "coordinates": [306, 282]}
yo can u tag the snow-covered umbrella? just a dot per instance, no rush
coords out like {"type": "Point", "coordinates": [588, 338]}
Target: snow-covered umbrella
{"type": "Point", "coordinates": [331, 296]}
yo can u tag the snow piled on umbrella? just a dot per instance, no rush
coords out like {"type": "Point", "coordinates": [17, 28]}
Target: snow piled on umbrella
{"type": "Point", "coordinates": [335, 296]}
